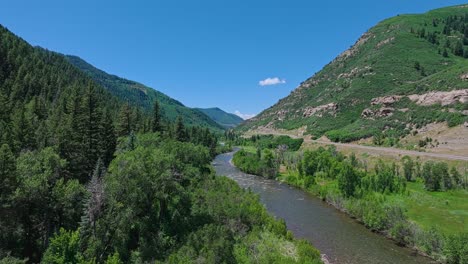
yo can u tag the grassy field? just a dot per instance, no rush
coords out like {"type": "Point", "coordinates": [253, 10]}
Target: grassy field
{"type": "Point", "coordinates": [446, 211]}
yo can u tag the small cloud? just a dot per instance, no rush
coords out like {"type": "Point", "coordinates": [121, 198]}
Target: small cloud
{"type": "Point", "coordinates": [271, 81]}
{"type": "Point", "coordinates": [244, 116]}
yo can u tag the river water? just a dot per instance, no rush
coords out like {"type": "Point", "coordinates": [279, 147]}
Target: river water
{"type": "Point", "coordinates": [335, 234]}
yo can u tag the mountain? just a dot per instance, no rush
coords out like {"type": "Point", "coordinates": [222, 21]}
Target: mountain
{"type": "Point", "coordinates": [227, 120]}
{"type": "Point", "coordinates": [404, 73]}
{"type": "Point", "coordinates": [140, 95]}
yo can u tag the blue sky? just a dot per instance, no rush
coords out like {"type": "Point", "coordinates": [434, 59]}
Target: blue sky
{"type": "Point", "coordinates": [206, 53]}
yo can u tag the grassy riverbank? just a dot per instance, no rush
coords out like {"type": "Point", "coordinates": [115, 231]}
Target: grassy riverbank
{"type": "Point", "coordinates": [422, 206]}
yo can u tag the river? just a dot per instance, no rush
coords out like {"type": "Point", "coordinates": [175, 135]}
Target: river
{"type": "Point", "coordinates": [335, 234]}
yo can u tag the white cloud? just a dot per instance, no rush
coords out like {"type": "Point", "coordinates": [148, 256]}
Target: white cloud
{"type": "Point", "coordinates": [271, 81]}
{"type": "Point", "coordinates": [243, 116]}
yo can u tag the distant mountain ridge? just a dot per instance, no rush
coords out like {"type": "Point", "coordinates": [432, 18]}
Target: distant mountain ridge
{"type": "Point", "coordinates": [140, 95]}
{"type": "Point", "coordinates": [404, 73]}
{"type": "Point", "coordinates": [227, 120]}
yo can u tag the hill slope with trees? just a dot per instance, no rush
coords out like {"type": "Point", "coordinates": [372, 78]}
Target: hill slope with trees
{"type": "Point", "coordinates": [227, 120]}
{"type": "Point", "coordinates": [140, 95]}
{"type": "Point", "coordinates": [404, 73]}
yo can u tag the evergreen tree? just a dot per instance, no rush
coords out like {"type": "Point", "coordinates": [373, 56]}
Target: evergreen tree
{"type": "Point", "coordinates": [108, 142]}
{"type": "Point", "coordinates": [180, 133]}
{"type": "Point", "coordinates": [7, 174]}
{"type": "Point", "coordinates": [445, 53]}
{"type": "Point", "coordinates": [23, 130]}
{"type": "Point", "coordinates": [124, 126]}
{"type": "Point", "coordinates": [75, 147]}
{"type": "Point", "coordinates": [93, 137]}
{"type": "Point", "coordinates": [156, 120]}
{"type": "Point", "coordinates": [458, 49]}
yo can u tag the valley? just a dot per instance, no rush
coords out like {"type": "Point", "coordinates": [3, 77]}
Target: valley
{"type": "Point", "coordinates": [365, 161]}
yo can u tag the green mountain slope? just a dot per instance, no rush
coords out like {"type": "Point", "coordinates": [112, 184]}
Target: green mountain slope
{"type": "Point", "coordinates": [140, 95]}
{"type": "Point", "coordinates": [227, 120]}
{"type": "Point", "coordinates": [405, 72]}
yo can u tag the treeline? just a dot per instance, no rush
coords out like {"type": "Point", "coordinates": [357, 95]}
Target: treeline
{"type": "Point", "coordinates": [269, 154]}
{"type": "Point", "coordinates": [262, 163]}
{"type": "Point", "coordinates": [452, 26]}
{"type": "Point", "coordinates": [264, 141]}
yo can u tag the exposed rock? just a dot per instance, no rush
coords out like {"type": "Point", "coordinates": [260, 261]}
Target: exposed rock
{"type": "Point", "coordinates": [310, 111]}
{"type": "Point", "coordinates": [353, 50]}
{"type": "Point", "coordinates": [386, 100]}
{"type": "Point", "coordinates": [382, 112]}
{"type": "Point", "coordinates": [367, 113]}
{"type": "Point", "coordinates": [354, 72]}
{"type": "Point", "coordinates": [281, 114]}
{"type": "Point", "coordinates": [443, 98]}
{"type": "Point", "coordinates": [464, 76]}
{"type": "Point", "coordinates": [383, 42]}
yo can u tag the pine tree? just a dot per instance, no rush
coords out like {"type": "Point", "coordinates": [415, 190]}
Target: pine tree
{"type": "Point", "coordinates": [458, 50]}
{"type": "Point", "coordinates": [92, 118]}
{"type": "Point", "coordinates": [445, 54]}
{"type": "Point", "coordinates": [156, 122]}
{"type": "Point", "coordinates": [23, 130]}
{"type": "Point", "coordinates": [108, 142]}
{"type": "Point", "coordinates": [7, 174]}
{"type": "Point", "coordinates": [131, 141]}
{"type": "Point", "coordinates": [180, 133]}
{"type": "Point", "coordinates": [137, 120]}
{"type": "Point", "coordinates": [75, 146]}
{"type": "Point", "coordinates": [124, 126]}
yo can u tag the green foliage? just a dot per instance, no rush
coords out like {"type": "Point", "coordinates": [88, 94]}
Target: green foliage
{"type": "Point", "coordinates": [437, 177]}
{"type": "Point", "coordinates": [64, 248]}
{"type": "Point", "coordinates": [180, 133]}
{"type": "Point", "coordinates": [156, 125]}
{"type": "Point", "coordinates": [8, 178]}
{"type": "Point", "coordinates": [263, 164]}
{"type": "Point", "coordinates": [408, 167]}
{"type": "Point", "coordinates": [162, 202]}
{"type": "Point", "coordinates": [456, 248]}
{"type": "Point", "coordinates": [274, 142]}
{"type": "Point", "coordinates": [45, 200]}
{"type": "Point", "coordinates": [348, 180]}
{"type": "Point", "coordinates": [12, 260]}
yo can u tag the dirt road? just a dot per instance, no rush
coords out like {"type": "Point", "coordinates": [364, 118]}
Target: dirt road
{"type": "Point", "coordinates": [394, 150]}
{"type": "Point", "coordinates": [383, 150]}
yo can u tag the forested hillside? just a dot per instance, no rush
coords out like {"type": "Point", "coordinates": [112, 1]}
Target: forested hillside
{"type": "Point", "coordinates": [227, 120]}
{"type": "Point", "coordinates": [140, 95]}
{"type": "Point", "coordinates": [404, 73]}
